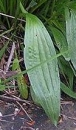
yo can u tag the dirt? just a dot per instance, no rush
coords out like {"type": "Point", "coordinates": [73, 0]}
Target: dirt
{"type": "Point", "coordinates": [20, 121]}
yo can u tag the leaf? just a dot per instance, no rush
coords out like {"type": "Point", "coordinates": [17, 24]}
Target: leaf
{"type": "Point", "coordinates": [20, 80]}
{"type": "Point", "coordinates": [69, 73]}
{"type": "Point", "coordinates": [71, 34]}
{"type": "Point", "coordinates": [68, 91]}
{"type": "Point", "coordinates": [60, 40]}
{"type": "Point", "coordinates": [44, 79]}
{"type": "Point", "coordinates": [22, 87]}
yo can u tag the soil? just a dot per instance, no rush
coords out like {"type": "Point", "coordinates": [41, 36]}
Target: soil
{"type": "Point", "coordinates": [11, 120]}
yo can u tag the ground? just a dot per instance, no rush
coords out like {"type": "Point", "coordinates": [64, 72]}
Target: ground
{"type": "Point", "coordinates": [12, 120]}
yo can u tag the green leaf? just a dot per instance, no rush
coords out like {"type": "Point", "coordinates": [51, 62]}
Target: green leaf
{"type": "Point", "coordinates": [20, 80]}
{"type": "Point", "coordinates": [68, 91]}
{"type": "Point", "coordinates": [60, 40]}
{"type": "Point", "coordinates": [44, 79]}
{"type": "Point", "coordinates": [22, 87]}
{"type": "Point", "coordinates": [69, 73]}
{"type": "Point", "coordinates": [71, 34]}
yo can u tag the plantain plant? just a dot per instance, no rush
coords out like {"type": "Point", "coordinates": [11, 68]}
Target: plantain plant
{"type": "Point", "coordinates": [50, 32]}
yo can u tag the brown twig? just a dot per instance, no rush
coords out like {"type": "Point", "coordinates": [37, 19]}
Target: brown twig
{"type": "Point", "coordinates": [5, 37]}
{"type": "Point", "coordinates": [6, 98]}
{"type": "Point", "coordinates": [10, 57]}
{"type": "Point", "coordinates": [8, 74]}
{"type": "Point", "coordinates": [1, 120]}
{"type": "Point", "coordinates": [24, 111]}
{"type": "Point", "coordinates": [11, 17]}
{"type": "Point", "coordinates": [67, 102]}
{"type": "Point", "coordinates": [17, 98]}
{"type": "Point", "coordinates": [72, 118]}
{"type": "Point", "coordinates": [24, 127]}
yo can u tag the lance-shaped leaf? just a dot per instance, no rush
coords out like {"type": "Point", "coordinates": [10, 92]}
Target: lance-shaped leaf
{"type": "Point", "coordinates": [44, 79]}
{"type": "Point", "coordinates": [71, 33]}
{"type": "Point", "coordinates": [60, 40]}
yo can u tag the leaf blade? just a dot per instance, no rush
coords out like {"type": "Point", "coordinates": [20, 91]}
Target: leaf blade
{"type": "Point", "coordinates": [68, 91]}
{"type": "Point", "coordinates": [71, 34]}
{"type": "Point", "coordinates": [61, 41]}
{"type": "Point", "coordinates": [39, 47]}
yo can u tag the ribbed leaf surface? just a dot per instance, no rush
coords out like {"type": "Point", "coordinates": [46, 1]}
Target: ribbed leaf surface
{"type": "Point", "coordinates": [71, 34]}
{"type": "Point", "coordinates": [44, 79]}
